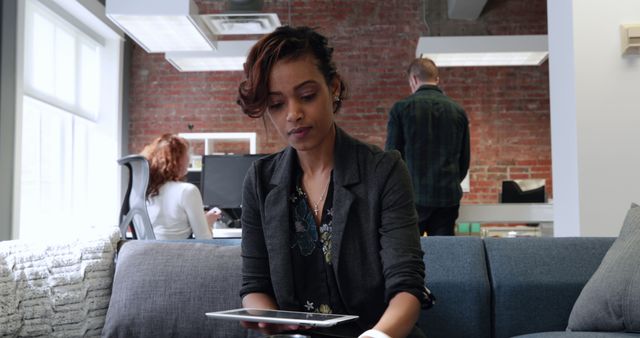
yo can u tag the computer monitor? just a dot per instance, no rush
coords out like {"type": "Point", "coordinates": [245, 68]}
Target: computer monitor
{"type": "Point", "coordinates": [222, 179]}
{"type": "Point", "coordinates": [193, 177]}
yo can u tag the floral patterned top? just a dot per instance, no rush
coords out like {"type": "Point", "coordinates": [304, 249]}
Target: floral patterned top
{"type": "Point", "coordinates": [315, 282]}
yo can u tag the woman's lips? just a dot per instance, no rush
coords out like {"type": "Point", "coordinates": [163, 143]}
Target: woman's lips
{"type": "Point", "coordinates": [299, 132]}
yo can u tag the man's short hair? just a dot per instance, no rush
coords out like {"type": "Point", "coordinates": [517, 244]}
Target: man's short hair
{"type": "Point", "coordinates": [424, 69]}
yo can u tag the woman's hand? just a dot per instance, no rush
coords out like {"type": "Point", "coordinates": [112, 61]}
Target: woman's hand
{"type": "Point", "coordinates": [264, 301]}
{"type": "Point", "coordinates": [399, 317]}
{"type": "Point", "coordinates": [268, 328]}
{"type": "Point", "coordinates": [213, 215]}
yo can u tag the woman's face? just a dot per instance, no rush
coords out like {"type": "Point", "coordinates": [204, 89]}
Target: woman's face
{"type": "Point", "coordinates": [300, 103]}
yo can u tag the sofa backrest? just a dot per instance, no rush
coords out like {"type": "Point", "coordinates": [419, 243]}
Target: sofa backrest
{"type": "Point", "coordinates": [536, 281]}
{"type": "Point", "coordinates": [164, 289]}
{"type": "Point", "coordinates": [496, 287]}
{"type": "Point", "coordinates": [456, 273]}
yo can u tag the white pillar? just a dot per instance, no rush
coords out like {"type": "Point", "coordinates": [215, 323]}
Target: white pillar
{"type": "Point", "coordinates": [595, 116]}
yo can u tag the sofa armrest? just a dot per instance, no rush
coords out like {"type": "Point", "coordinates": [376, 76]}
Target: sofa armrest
{"type": "Point", "coordinates": [536, 281]}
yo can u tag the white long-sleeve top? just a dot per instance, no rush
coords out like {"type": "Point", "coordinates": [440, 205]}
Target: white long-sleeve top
{"type": "Point", "coordinates": [177, 211]}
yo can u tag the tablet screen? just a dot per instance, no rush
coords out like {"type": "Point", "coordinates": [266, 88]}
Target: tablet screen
{"type": "Point", "coordinates": [283, 317]}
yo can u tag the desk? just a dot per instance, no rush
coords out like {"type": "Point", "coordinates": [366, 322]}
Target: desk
{"type": "Point", "coordinates": [469, 213]}
{"type": "Point", "coordinates": [506, 213]}
{"type": "Point", "coordinates": [227, 233]}
{"type": "Point", "coordinates": [509, 213]}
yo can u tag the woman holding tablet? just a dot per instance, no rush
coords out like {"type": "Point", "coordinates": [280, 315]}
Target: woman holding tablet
{"type": "Point", "coordinates": [328, 223]}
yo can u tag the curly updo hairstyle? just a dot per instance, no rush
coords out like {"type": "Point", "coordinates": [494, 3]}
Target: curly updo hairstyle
{"type": "Point", "coordinates": [164, 155]}
{"type": "Point", "coordinates": [285, 43]}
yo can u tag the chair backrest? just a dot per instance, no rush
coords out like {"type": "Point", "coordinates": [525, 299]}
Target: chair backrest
{"type": "Point", "coordinates": [523, 191]}
{"type": "Point", "coordinates": [134, 206]}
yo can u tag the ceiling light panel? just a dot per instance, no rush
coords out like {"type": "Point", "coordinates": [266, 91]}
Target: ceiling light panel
{"type": "Point", "coordinates": [230, 56]}
{"type": "Point", "coordinates": [204, 63]}
{"type": "Point", "coordinates": [160, 26]}
{"type": "Point", "coordinates": [493, 50]}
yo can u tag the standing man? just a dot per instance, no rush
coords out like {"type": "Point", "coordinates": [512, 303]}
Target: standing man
{"type": "Point", "coordinates": [431, 131]}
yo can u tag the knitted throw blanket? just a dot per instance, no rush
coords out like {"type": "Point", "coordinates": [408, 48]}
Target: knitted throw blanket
{"type": "Point", "coordinates": [56, 290]}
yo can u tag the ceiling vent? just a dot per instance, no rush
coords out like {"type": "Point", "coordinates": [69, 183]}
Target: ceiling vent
{"type": "Point", "coordinates": [242, 17]}
{"type": "Point", "coordinates": [241, 23]}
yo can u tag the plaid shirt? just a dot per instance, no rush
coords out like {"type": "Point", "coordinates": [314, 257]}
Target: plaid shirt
{"type": "Point", "coordinates": [431, 131]}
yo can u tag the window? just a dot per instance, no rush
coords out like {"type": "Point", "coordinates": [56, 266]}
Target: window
{"type": "Point", "coordinates": [68, 125]}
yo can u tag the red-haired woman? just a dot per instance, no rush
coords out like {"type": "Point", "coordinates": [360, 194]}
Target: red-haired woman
{"type": "Point", "coordinates": [175, 207]}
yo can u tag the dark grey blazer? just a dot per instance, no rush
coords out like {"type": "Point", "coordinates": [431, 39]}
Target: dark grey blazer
{"type": "Point", "coordinates": [375, 250]}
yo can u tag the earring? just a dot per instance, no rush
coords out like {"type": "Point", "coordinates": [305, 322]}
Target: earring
{"type": "Point", "coordinates": [336, 98]}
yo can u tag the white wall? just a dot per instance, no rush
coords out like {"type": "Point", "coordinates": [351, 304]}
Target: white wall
{"type": "Point", "coordinates": [595, 116]}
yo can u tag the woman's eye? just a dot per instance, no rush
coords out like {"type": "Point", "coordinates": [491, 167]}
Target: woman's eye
{"type": "Point", "coordinates": [275, 106]}
{"type": "Point", "coordinates": [308, 97]}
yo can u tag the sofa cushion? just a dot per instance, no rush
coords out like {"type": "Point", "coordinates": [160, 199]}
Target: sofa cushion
{"type": "Point", "coordinates": [610, 301]}
{"type": "Point", "coordinates": [164, 289]}
{"type": "Point", "coordinates": [456, 273]}
{"type": "Point", "coordinates": [535, 281]}
{"type": "Point", "coordinates": [57, 288]}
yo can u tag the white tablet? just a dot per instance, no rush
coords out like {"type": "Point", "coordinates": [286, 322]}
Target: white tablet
{"type": "Point", "coordinates": [282, 317]}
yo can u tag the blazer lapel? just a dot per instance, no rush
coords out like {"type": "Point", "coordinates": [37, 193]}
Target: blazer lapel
{"type": "Point", "coordinates": [346, 173]}
{"type": "Point", "coordinates": [276, 230]}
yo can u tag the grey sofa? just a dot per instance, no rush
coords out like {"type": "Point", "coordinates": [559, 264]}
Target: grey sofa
{"type": "Point", "coordinates": [495, 287]}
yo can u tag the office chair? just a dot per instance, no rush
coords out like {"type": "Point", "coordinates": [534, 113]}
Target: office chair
{"type": "Point", "coordinates": [134, 206]}
{"type": "Point", "coordinates": [523, 191]}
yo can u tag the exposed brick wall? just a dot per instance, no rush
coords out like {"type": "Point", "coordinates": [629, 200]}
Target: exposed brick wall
{"type": "Point", "coordinates": [374, 40]}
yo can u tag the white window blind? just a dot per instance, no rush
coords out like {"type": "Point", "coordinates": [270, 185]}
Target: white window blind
{"type": "Point", "coordinates": [62, 64]}
{"type": "Point", "coordinates": [69, 134]}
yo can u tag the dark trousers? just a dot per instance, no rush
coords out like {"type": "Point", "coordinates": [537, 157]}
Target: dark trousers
{"type": "Point", "coordinates": [437, 221]}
